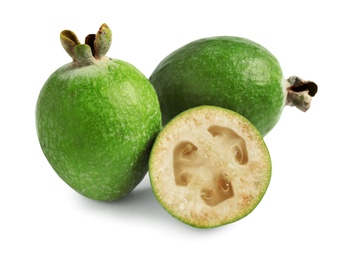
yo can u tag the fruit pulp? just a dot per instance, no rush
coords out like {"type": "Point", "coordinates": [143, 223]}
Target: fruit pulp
{"type": "Point", "coordinates": [209, 166]}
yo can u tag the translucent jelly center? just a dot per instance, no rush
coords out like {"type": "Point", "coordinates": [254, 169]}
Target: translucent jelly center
{"type": "Point", "coordinates": [210, 163]}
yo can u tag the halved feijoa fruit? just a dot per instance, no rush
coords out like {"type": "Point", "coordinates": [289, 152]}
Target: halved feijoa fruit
{"type": "Point", "coordinates": [209, 166]}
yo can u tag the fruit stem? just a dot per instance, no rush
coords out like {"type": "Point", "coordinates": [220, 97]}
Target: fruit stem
{"type": "Point", "coordinates": [95, 48]}
{"type": "Point", "coordinates": [300, 93]}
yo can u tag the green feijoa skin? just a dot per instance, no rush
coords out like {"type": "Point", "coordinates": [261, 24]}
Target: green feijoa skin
{"type": "Point", "coordinates": [230, 72]}
{"type": "Point", "coordinates": [97, 119]}
{"type": "Point", "coordinates": [209, 167]}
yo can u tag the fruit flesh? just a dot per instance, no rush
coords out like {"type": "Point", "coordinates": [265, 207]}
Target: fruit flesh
{"type": "Point", "coordinates": [209, 168]}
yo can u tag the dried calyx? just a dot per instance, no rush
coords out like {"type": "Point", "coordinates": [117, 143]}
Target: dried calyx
{"type": "Point", "coordinates": [95, 47]}
{"type": "Point", "coordinates": [300, 93]}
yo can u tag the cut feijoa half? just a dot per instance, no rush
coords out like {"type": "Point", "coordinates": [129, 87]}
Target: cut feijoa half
{"type": "Point", "coordinates": [209, 166]}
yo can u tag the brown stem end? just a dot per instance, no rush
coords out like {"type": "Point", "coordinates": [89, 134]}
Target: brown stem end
{"type": "Point", "coordinates": [300, 93]}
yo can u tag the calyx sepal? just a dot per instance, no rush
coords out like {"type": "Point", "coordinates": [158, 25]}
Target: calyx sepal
{"type": "Point", "coordinates": [95, 47]}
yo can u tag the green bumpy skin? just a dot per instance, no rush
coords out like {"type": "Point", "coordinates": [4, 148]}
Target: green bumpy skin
{"type": "Point", "coordinates": [225, 71]}
{"type": "Point", "coordinates": [96, 125]}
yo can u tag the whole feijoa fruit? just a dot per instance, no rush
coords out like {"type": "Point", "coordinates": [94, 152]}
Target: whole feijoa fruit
{"type": "Point", "coordinates": [97, 119]}
{"type": "Point", "coordinates": [209, 166]}
{"type": "Point", "coordinates": [230, 72]}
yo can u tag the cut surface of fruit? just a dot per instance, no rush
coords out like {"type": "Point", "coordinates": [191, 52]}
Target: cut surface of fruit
{"type": "Point", "coordinates": [209, 166]}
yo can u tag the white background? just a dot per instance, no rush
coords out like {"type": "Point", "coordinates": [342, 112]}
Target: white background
{"type": "Point", "coordinates": [304, 212]}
